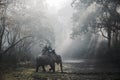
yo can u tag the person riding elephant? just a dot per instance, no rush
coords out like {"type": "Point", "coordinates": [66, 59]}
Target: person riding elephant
{"type": "Point", "coordinates": [46, 50]}
{"type": "Point", "coordinates": [49, 48]}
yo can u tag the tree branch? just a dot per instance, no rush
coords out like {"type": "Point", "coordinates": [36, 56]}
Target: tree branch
{"type": "Point", "coordinates": [15, 44]}
{"type": "Point", "coordinates": [103, 34]}
{"type": "Point", "coordinates": [73, 2]}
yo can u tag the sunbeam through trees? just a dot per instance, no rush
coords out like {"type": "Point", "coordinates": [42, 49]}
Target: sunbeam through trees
{"type": "Point", "coordinates": [59, 39]}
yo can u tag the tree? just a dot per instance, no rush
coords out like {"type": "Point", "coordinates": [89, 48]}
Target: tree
{"type": "Point", "coordinates": [106, 19]}
{"type": "Point", "coordinates": [9, 35]}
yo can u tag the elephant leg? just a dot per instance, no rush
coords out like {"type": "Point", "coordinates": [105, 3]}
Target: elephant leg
{"type": "Point", "coordinates": [43, 68]}
{"type": "Point", "coordinates": [61, 66]}
{"type": "Point", "coordinates": [52, 67]}
{"type": "Point", "coordinates": [37, 67]}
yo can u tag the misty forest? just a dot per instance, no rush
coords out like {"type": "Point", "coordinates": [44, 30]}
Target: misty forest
{"type": "Point", "coordinates": [59, 39]}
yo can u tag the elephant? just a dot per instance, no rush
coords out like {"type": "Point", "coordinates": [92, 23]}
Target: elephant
{"type": "Point", "coordinates": [49, 59]}
{"type": "Point", "coordinates": [44, 60]}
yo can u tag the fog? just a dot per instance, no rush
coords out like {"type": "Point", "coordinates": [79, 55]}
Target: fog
{"type": "Point", "coordinates": [51, 20]}
{"type": "Point", "coordinates": [62, 13]}
{"type": "Point", "coordinates": [79, 38]}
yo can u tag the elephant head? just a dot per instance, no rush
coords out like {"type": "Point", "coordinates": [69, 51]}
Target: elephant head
{"type": "Point", "coordinates": [56, 58]}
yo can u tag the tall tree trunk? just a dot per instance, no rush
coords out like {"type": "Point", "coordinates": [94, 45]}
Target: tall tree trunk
{"type": "Point", "coordinates": [116, 38]}
{"type": "Point", "coordinates": [109, 38]}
